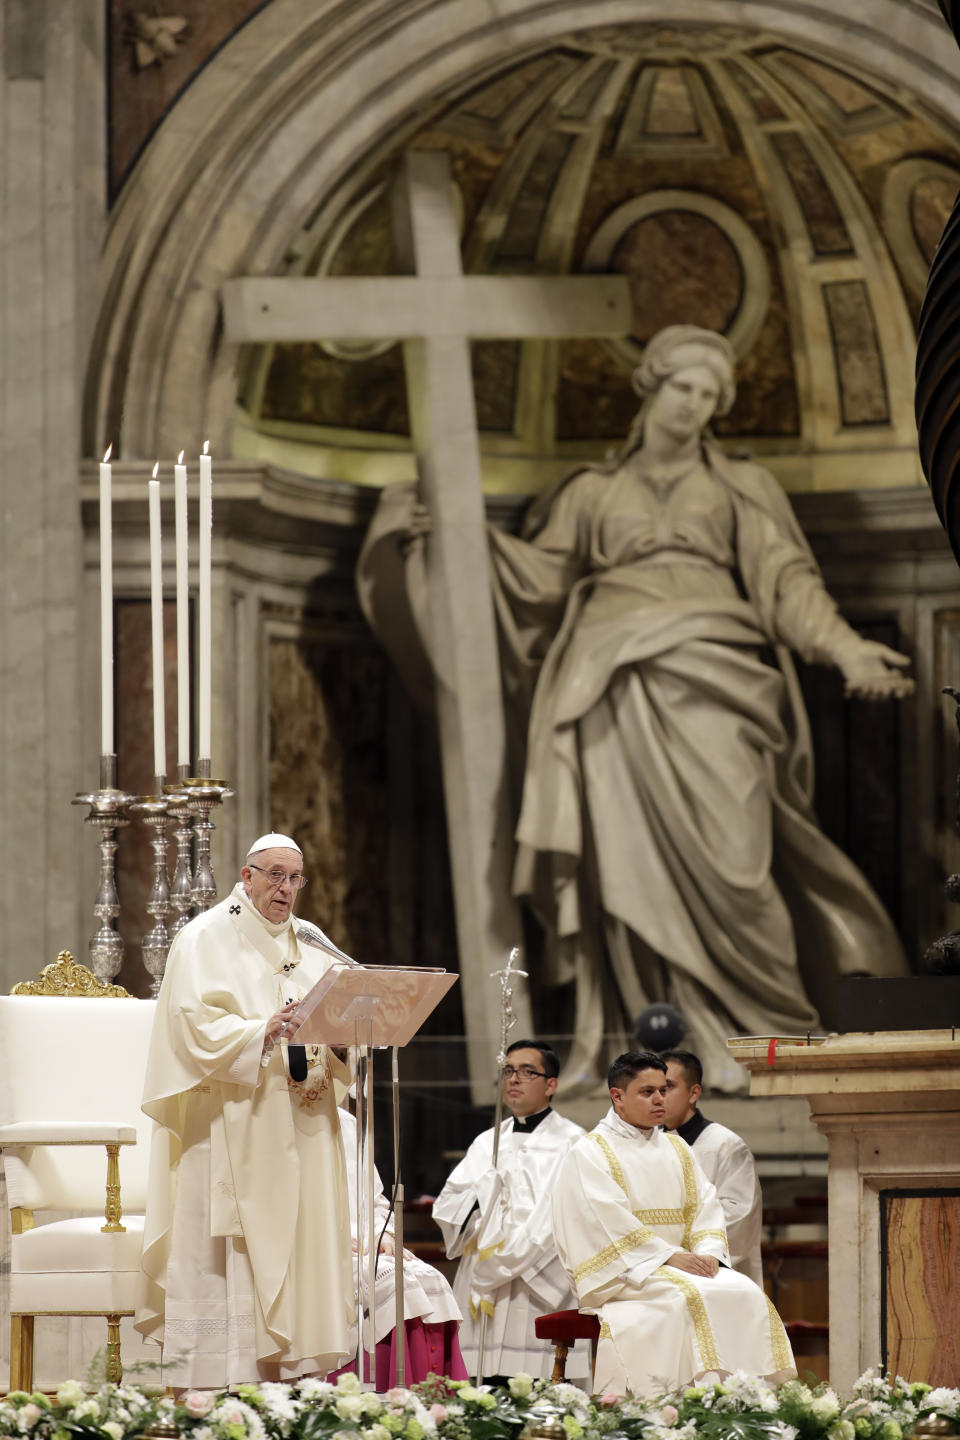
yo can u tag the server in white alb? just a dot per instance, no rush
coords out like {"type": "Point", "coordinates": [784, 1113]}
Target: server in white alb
{"type": "Point", "coordinates": [499, 1223]}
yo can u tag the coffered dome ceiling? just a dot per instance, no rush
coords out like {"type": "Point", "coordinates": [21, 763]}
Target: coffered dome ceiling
{"type": "Point", "coordinates": [781, 196]}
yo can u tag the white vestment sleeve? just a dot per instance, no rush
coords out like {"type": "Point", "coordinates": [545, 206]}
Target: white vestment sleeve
{"type": "Point", "coordinates": [453, 1206]}
{"type": "Point", "coordinates": [708, 1234]}
{"type": "Point", "coordinates": [734, 1173]}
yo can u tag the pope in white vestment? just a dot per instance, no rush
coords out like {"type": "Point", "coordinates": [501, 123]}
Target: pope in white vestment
{"type": "Point", "coordinates": [640, 1230]}
{"type": "Point", "coordinates": [246, 1269]}
{"type": "Point", "coordinates": [498, 1222]}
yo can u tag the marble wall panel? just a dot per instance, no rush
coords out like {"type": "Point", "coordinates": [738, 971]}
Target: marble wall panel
{"type": "Point", "coordinates": [920, 1242]}
{"type": "Point", "coordinates": [860, 370]}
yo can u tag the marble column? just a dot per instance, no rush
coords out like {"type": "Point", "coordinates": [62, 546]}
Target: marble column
{"type": "Point", "coordinates": [52, 200]}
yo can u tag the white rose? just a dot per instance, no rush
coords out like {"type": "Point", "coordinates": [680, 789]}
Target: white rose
{"type": "Point", "coordinates": [351, 1407]}
{"type": "Point", "coordinates": [113, 1428]}
{"type": "Point", "coordinates": [71, 1392]}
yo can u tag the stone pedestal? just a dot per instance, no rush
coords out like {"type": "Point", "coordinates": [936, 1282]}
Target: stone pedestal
{"type": "Point", "coordinates": [889, 1106]}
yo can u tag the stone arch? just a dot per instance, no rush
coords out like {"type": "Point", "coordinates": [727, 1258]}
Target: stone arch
{"type": "Point", "coordinates": [234, 170]}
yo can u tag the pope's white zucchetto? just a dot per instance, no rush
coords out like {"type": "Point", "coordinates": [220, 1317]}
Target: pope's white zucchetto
{"type": "Point", "coordinates": [273, 841]}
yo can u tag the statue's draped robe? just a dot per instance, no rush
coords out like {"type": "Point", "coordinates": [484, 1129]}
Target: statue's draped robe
{"type": "Point", "coordinates": [246, 1258]}
{"type": "Point", "coordinates": [666, 837]}
{"type": "Point", "coordinates": [624, 1202]}
{"type": "Point", "coordinates": [509, 1263]}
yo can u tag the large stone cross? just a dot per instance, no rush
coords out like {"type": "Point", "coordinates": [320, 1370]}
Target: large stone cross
{"type": "Point", "coordinates": [436, 311]}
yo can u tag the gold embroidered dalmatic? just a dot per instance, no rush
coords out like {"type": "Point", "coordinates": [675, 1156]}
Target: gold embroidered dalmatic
{"type": "Point", "coordinates": [625, 1200]}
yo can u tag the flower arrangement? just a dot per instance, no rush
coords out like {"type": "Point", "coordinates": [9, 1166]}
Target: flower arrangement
{"type": "Point", "coordinates": [738, 1408]}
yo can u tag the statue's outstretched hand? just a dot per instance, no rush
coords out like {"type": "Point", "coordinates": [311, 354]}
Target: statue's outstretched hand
{"type": "Point", "coordinates": [873, 672]}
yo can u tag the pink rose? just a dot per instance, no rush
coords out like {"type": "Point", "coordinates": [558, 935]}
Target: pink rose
{"type": "Point", "coordinates": [608, 1401]}
{"type": "Point", "coordinates": [438, 1413]}
{"type": "Point", "coordinates": [197, 1403]}
{"type": "Point", "coordinates": [669, 1415]}
{"type": "Point", "coordinates": [397, 1396]}
{"type": "Point", "coordinates": [230, 1415]}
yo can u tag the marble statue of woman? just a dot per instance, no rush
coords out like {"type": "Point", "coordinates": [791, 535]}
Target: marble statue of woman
{"type": "Point", "coordinates": [665, 836]}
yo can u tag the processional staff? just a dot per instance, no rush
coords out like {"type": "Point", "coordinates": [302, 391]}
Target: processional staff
{"type": "Point", "coordinates": [507, 1021]}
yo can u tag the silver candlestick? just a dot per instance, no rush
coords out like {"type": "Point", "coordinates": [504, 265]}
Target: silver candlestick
{"type": "Point", "coordinates": [107, 813]}
{"type": "Point", "coordinates": [204, 795]}
{"type": "Point", "coordinates": [153, 811]}
{"type": "Point", "coordinates": [179, 811]}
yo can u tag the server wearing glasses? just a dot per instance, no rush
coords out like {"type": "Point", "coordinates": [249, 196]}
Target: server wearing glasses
{"type": "Point", "coordinates": [498, 1222]}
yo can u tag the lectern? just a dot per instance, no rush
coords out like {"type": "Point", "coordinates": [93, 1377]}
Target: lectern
{"type": "Point", "coordinates": [371, 1007]}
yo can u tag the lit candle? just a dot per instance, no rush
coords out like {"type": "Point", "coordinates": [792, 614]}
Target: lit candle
{"type": "Point", "coordinates": [183, 612]}
{"type": "Point", "coordinates": [106, 607]}
{"type": "Point", "coordinates": [156, 617]}
{"type": "Point", "coordinates": [206, 536]}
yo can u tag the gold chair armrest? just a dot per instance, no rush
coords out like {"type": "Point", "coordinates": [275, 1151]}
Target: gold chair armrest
{"type": "Point", "coordinates": [112, 1209]}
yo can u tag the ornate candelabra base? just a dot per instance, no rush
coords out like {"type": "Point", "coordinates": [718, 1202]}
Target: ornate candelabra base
{"type": "Point", "coordinates": [154, 811]}
{"type": "Point", "coordinates": [203, 795]}
{"type": "Point", "coordinates": [108, 807]}
{"type": "Point", "coordinates": [180, 813]}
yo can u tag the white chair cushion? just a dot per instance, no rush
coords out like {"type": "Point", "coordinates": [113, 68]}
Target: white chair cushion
{"type": "Point", "coordinates": [74, 1245]}
{"type": "Point", "coordinates": [94, 1293]}
{"type": "Point", "coordinates": [70, 1266]}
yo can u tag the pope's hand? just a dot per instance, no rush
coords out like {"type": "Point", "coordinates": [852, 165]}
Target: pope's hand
{"type": "Point", "coordinates": [278, 1026]}
{"type": "Point", "coordinates": [694, 1264]}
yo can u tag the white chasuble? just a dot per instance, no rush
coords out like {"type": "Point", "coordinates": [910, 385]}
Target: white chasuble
{"type": "Point", "coordinates": [625, 1200]}
{"type": "Point", "coordinates": [246, 1257]}
{"type": "Point", "coordinates": [499, 1222]}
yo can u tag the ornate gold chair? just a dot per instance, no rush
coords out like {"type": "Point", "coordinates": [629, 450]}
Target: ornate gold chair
{"type": "Point", "coordinates": [72, 1059]}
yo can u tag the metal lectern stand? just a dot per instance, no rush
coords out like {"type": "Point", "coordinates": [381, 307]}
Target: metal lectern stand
{"type": "Point", "coordinates": [371, 1007]}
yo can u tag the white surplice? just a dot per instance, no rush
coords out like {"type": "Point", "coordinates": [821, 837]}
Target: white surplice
{"type": "Point", "coordinates": [246, 1257]}
{"type": "Point", "coordinates": [625, 1200]}
{"type": "Point", "coordinates": [509, 1263]}
{"type": "Point", "coordinates": [727, 1161]}
{"type": "Point", "coordinates": [427, 1295]}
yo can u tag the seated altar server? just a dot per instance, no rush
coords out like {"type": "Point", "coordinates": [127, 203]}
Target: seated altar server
{"type": "Point", "coordinates": [246, 1252]}
{"type": "Point", "coordinates": [640, 1229]}
{"type": "Point", "coordinates": [432, 1314]}
{"type": "Point", "coordinates": [498, 1221]}
{"type": "Point", "coordinates": [724, 1157]}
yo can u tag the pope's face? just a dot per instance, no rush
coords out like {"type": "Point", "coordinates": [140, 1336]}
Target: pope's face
{"type": "Point", "coordinates": [686, 400]}
{"type": "Point", "coordinates": [275, 902]}
{"type": "Point", "coordinates": [641, 1103]}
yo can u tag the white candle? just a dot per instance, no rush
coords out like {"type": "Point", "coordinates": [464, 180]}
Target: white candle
{"type": "Point", "coordinates": [183, 612]}
{"type": "Point", "coordinates": [156, 617]}
{"type": "Point", "coordinates": [206, 536]}
{"type": "Point", "coordinates": [106, 606]}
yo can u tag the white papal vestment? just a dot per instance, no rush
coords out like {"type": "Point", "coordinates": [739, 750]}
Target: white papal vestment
{"type": "Point", "coordinates": [246, 1255]}
{"type": "Point", "coordinates": [509, 1261]}
{"type": "Point", "coordinates": [624, 1201]}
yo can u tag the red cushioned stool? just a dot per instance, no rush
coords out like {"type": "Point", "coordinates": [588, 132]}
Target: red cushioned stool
{"type": "Point", "coordinates": [562, 1328]}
